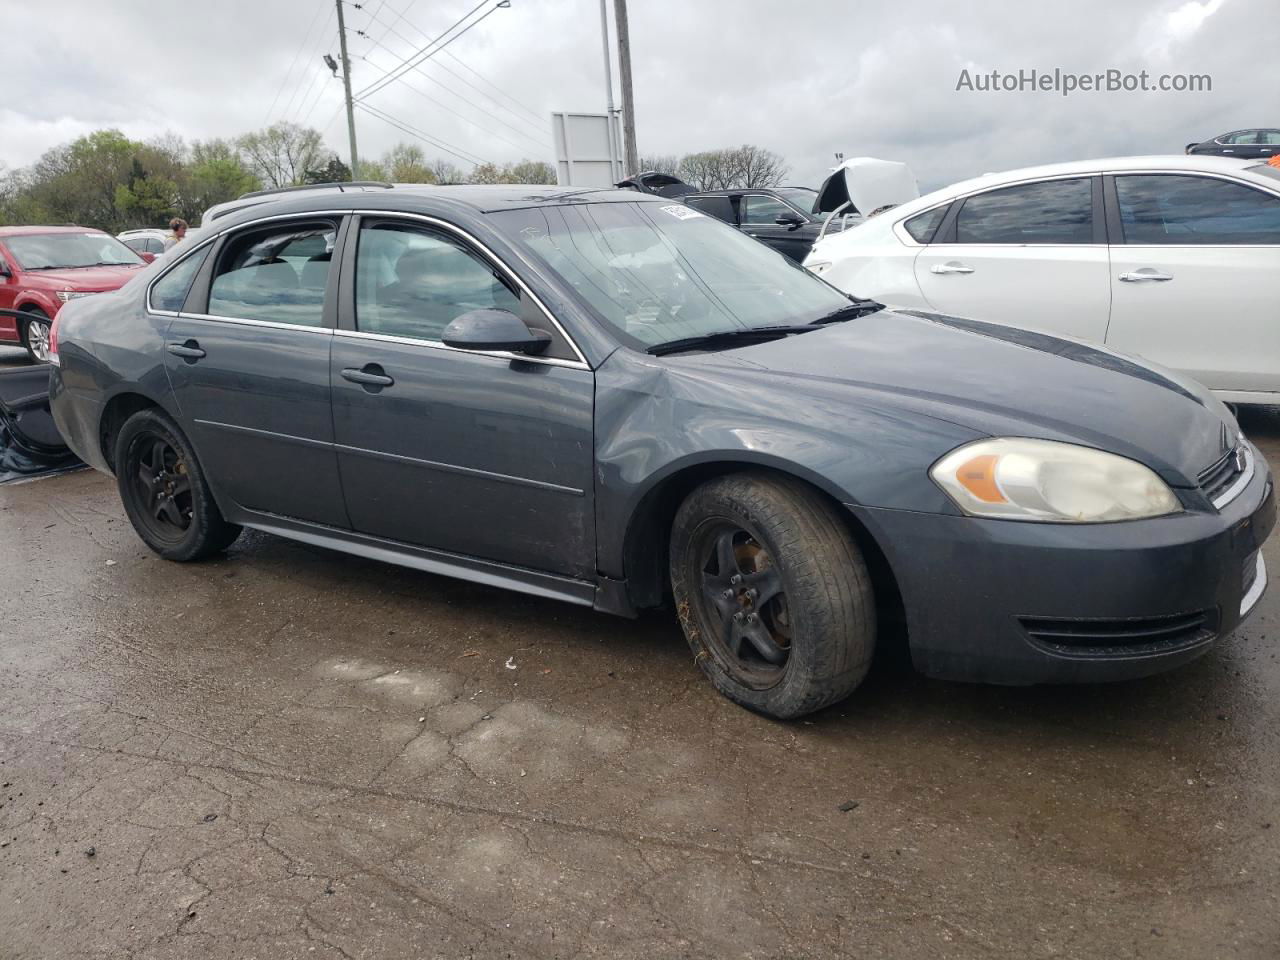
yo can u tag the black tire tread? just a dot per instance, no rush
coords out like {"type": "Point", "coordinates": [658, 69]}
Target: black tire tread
{"type": "Point", "coordinates": [210, 533]}
{"type": "Point", "coordinates": [827, 584]}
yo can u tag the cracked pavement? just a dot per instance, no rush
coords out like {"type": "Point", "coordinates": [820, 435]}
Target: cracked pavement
{"type": "Point", "coordinates": [292, 753]}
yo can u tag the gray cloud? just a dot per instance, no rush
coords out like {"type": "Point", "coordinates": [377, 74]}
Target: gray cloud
{"type": "Point", "coordinates": [876, 77]}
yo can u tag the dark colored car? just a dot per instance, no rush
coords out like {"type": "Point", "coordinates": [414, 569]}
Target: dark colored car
{"type": "Point", "coordinates": [658, 184]}
{"type": "Point", "coordinates": [1261, 143]}
{"type": "Point", "coordinates": [41, 268]}
{"type": "Point", "coordinates": [781, 217]}
{"type": "Point", "coordinates": [607, 398]}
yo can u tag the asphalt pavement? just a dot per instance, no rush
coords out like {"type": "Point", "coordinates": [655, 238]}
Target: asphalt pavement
{"type": "Point", "coordinates": [287, 752]}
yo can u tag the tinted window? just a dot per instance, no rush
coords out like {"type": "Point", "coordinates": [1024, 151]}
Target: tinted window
{"type": "Point", "coordinates": [761, 210]}
{"type": "Point", "coordinates": [170, 291]}
{"type": "Point", "coordinates": [923, 225]}
{"type": "Point", "coordinates": [277, 275]}
{"type": "Point", "coordinates": [719, 207]}
{"type": "Point", "coordinates": [1056, 211]}
{"type": "Point", "coordinates": [412, 282]}
{"type": "Point", "coordinates": [136, 243]}
{"type": "Point", "coordinates": [1241, 136]}
{"type": "Point", "coordinates": [1161, 209]}
{"type": "Point", "coordinates": [155, 245]}
{"type": "Point", "coordinates": [1270, 136]}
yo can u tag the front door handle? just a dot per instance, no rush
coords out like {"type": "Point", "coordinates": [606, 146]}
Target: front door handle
{"type": "Point", "coordinates": [189, 350]}
{"type": "Point", "coordinates": [370, 375]}
{"type": "Point", "coordinates": [1137, 276]}
{"type": "Point", "coordinates": [952, 267]}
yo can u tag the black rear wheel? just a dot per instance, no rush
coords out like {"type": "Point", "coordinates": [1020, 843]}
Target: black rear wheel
{"type": "Point", "coordinates": [772, 592]}
{"type": "Point", "coordinates": [164, 490]}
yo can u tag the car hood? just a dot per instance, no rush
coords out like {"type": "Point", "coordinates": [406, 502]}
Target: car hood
{"type": "Point", "coordinates": [1002, 381]}
{"type": "Point", "coordinates": [868, 184]}
{"type": "Point", "coordinates": [87, 279]}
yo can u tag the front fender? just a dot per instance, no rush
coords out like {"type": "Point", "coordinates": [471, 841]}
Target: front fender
{"type": "Point", "coordinates": [658, 420]}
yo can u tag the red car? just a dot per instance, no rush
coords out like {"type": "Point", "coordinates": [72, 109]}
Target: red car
{"type": "Point", "coordinates": [41, 268]}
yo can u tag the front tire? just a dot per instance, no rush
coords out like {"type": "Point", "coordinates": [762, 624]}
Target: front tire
{"type": "Point", "coordinates": [164, 491]}
{"type": "Point", "coordinates": [35, 334]}
{"type": "Point", "coordinates": [773, 594]}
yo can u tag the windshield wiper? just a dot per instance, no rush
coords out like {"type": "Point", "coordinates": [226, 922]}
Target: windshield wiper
{"type": "Point", "coordinates": [728, 338]}
{"type": "Point", "coordinates": [850, 311]}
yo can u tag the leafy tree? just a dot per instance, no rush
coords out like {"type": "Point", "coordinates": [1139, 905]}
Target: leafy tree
{"type": "Point", "coordinates": [281, 154]}
{"type": "Point", "coordinates": [217, 173]}
{"type": "Point", "coordinates": [533, 171]}
{"type": "Point", "coordinates": [332, 170]}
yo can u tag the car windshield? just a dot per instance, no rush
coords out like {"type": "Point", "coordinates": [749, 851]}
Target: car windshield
{"type": "Point", "coordinates": [46, 251]}
{"type": "Point", "coordinates": [656, 273]}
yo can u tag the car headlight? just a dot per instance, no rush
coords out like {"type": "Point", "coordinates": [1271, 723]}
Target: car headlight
{"type": "Point", "coordinates": [1022, 479]}
{"type": "Point", "coordinates": [818, 266]}
{"type": "Point", "coordinates": [65, 295]}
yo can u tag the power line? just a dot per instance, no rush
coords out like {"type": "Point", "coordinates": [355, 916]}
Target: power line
{"type": "Point", "coordinates": [426, 52]}
{"type": "Point", "coordinates": [288, 109]}
{"type": "Point", "coordinates": [538, 121]}
{"type": "Point", "coordinates": [540, 143]}
{"type": "Point", "coordinates": [529, 110]}
{"type": "Point", "coordinates": [280, 89]}
{"type": "Point", "coordinates": [404, 127]}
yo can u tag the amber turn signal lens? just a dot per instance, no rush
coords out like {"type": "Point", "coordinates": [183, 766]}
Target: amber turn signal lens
{"type": "Point", "coordinates": [978, 476]}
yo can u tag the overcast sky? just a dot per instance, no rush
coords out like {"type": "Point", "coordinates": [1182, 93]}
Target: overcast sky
{"type": "Point", "coordinates": [875, 78]}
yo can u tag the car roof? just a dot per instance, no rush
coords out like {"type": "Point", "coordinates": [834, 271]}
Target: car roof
{"type": "Point", "coordinates": [476, 198]}
{"type": "Point", "coordinates": [34, 229]}
{"type": "Point", "coordinates": [1172, 163]}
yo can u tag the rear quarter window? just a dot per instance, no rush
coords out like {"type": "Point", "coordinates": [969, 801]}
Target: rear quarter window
{"type": "Point", "coordinates": [923, 226]}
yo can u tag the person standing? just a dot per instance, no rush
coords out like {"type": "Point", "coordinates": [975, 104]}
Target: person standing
{"type": "Point", "coordinates": [177, 230]}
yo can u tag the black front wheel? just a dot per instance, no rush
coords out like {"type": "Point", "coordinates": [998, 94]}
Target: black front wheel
{"type": "Point", "coordinates": [164, 490]}
{"type": "Point", "coordinates": [773, 594]}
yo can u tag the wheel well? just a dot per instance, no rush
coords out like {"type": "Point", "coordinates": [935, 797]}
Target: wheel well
{"type": "Point", "coordinates": [649, 535]}
{"type": "Point", "coordinates": [119, 409]}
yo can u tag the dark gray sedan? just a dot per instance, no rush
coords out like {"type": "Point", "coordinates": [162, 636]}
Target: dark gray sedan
{"type": "Point", "coordinates": [613, 400]}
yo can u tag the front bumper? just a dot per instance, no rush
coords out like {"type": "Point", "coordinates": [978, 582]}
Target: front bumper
{"type": "Point", "coordinates": [1019, 603]}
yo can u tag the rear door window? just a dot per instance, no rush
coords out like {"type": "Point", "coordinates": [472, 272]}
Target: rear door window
{"type": "Point", "coordinates": [1192, 210]}
{"type": "Point", "coordinates": [719, 207]}
{"type": "Point", "coordinates": [278, 275]}
{"type": "Point", "coordinates": [1049, 212]}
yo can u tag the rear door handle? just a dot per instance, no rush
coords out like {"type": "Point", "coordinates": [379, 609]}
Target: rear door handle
{"type": "Point", "coordinates": [370, 375]}
{"type": "Point", "coordinates": [951, 267]}
{"type": "Point", "coordinates": [190, 350]}
{"type": "Point", "coordinates": [1138, 276]}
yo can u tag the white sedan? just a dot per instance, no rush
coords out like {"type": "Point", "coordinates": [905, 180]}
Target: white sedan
{"type": "Point", "coordinates": [1175, 259]}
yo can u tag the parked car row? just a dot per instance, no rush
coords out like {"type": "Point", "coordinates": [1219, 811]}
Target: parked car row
{"type": "Point", "coordinates": [614, 399]}
{"type": "Point", "coordinates": [1254, 144]}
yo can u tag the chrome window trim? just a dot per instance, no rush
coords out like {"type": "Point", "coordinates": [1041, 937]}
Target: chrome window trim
{"type": "Point", "coordinates": [580, 363]}
{"type": "Point", "coordinates": [1242, 481]}
{"type": "Point", "coordinates": [494, 258]}
{"type": "Point", "coordinates": [503, 355]}
{"type": "Point", "coordinates": [248, 322]}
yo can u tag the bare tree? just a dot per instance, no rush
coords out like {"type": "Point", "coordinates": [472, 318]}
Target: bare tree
{"type": "Point", "coordinates": [282, 153]}
{"type": "Point", "coordinates": [732, 168]}
{"type": "Point", "coordinates": [757, 167]}
{"type": "Point", "coordinates": [665, 163]}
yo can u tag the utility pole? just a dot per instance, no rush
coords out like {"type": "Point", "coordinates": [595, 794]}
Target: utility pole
{"type": "Point", "coordinates": [346, 83]}
{"type": "Point", "coordinates": [628, 100]}
{"type": "Point", "coordinates": [608, 92]}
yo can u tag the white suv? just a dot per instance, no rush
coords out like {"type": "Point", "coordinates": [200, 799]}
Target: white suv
{"type": "Point", "coordinates": [1176, 259]}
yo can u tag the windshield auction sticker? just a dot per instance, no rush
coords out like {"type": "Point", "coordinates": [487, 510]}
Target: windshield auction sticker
{"type": "Point", "coordinates": [681, 212]}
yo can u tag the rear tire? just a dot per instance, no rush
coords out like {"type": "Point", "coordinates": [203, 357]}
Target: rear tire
{"type": "Point", "coordinates": [164, 491]}
{"type": "Point", "coordinates": [35, 334]}
{"type": "Point", "coordinates": [773, 594]}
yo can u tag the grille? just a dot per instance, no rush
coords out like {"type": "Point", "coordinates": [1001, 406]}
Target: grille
{"type": "Point", "coordinates": [1127, 637]}
{"type": "Point", "coordinates": [1217, 480]}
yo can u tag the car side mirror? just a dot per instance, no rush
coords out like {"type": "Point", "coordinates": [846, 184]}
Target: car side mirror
{"type": "Point", "coordinates": [146, 256]}
{"type": "Point", "coordinates": [791, 220]}
{"type": "Point", "coordinates": [494, 330]}
{"type": "Point", "coordinates": [4, 269]}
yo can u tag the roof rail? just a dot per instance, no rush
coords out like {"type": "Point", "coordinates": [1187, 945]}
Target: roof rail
{"type": "Point", "coordinates": [316, 186]}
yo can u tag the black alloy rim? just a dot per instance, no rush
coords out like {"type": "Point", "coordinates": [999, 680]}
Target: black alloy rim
{"type": "Point", "coordinates": [742, 604]}
{"type": "Point", "coordinates": [163, 488]}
